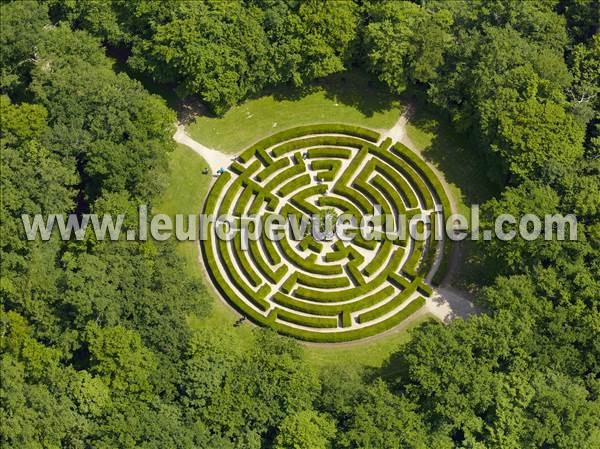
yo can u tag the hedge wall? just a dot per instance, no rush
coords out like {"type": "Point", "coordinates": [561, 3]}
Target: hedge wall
{"type": "Point", "coordinates": [329, 152]}
{"type": "Point", "coordinates": [355, 334]}
{"type": "Point", "coordinates": [288, 175]}
{"type": "Point", "coordinates": [388, 306]}
{"type": "Point", "coordinates": [304, 320]}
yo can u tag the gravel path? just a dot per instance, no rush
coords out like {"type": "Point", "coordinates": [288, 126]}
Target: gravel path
{"type": "Point", "coordinates": [215, 159]}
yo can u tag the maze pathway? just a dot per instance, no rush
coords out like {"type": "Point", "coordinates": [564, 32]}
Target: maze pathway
{"type": "Point", "coordinates": [333, 289]}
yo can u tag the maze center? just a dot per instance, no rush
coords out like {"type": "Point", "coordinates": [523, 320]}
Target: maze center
{"type": "Point", "coordinates": [329, 289]}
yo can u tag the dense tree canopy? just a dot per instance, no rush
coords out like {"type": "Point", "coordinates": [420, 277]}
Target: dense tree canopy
{"type": "Point", "coordinates": [96, 350]}
{"type": "Point", "coordinates": [223, 51]}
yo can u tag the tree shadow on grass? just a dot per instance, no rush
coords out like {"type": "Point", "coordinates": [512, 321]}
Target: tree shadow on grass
{"type": "Point", "coordinates": [474, 170]}
{"type": "Point", "coordinates": [396, 367]}
{"type": "Point", "coordinates": [475, 173]}
{"type": "Point", "coordinates": [355, 88]}
{"type": "Point", "coordinates": [361, 91]}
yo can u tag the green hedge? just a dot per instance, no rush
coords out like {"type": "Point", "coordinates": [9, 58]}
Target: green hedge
{"type": "Point", "coordinates": [386, 143]}
{"type": "Point", "coordinates": [264, 267]}
{"type": "Point", "coordinates": [400, 281]}
{"type": "Point", "coordinates": [230, 195]}
{"type": "Point", "coordinates": [424, 289]}
{"type": "Point", "coordinates": [242, 202]}
{"type": "Point", "coordinates": [385, 188]}
{"type": "Point", "coordinates": [410, 173]}
{"type": "Point", "coordinates": [256, 203]}
{"type": "Point", "coordinates": [316, 141]}
{"type": "Point", "coordinates": [355, 273]}
{"type": "Point", "coordinates": [346, 206]}
{"type": "Point", "coordinates": [251, 169]}
{"type": "Point", "coordinates": [210, 206]}
{"type": "Point", "coordinates": [373, 196]}
{"type": "Point", "coordinates": [309, 242]}
{"type": "Point", "coordinates": [340, 336]}
{"type": "Point", "coordinates": [271, 250]}
{"type": "Point", "coordinates": [326, 309]}
{"type": "Point", "coordinates": [359, 198]}
{"type": "Point", "coordinates": [442, 197]}
{"type": "Point", "coordinates": [294, 184]}
{"type": "Point", "coordinates": [279, 164]}
{"type": "Point", "coordinates": [387, 307]}
{"type": "Point", "coordinates": [304, 320]}
{"type": "Point", "coordinates": [324, 283]}
{"type": "Point", "coordinates": [398, 184]}
{"type": "Point", "coordinates": [299, 199]}
{"type": "Point", "coordinates": [353, 166]}
{"type": "Point", "coordinates": [247, 268]}
{"type": "Point", "coordinates": [262, 156]}
{"type": "Point", "coordinates": [290, 302]}
{"type": "Point", "coordinates": [289, 284]}
{"type": "Point", "coordinates": [307, 264]}
{"type": "Point", "coordinates": [326, 169]}
{"type": "Point", "coordinates": [329, 152]}
{"type": "Point", "coordinates": [321, 128]}
{"type": "Point", "coordinates": [237, 168]}
{"type": "Point", "coordinates": [355, 334]}
{"type": "Point", "coordinates": [298, 144]}
{"type": "Point", "coordinates": [355, 292]}
{"type": "Point", "coordinates": [363, 243]}
{"type": "Point", "coordinates": [429, 259]}
{"type": "Point", "coordinates": [410, 267]}
{"type": "Point", "coordinates": [282, 177]}
{"type": "Point", "coordinates": [392, 195]}
{"type": "Point", "coordinates": [346, 319]}
{"type": "Point", "coordinates": [340, 252]}
{"type": "Point", "coordinates": [257, 298]}
{"type": "Point", "coordinates": [380, 258]}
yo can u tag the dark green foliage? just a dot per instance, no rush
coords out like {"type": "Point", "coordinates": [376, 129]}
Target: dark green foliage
{"type": "Point", "coordinates": [95, 346]}
{"type": "Point", "coordinates": [119, 135]}
{"type": "Point", "coordinates": [228, 391]}
{"type": "Point", "coordinates": [223, 51]}
{"type": "Point", "coordinates": [21, 25]}
{"type": "Point", "coordinates": [92, 331]}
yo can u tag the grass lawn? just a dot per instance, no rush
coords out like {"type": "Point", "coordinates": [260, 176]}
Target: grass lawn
{"type": "Point", "coordinates": [371, 354]}
{"type": "Point", "coordinates": [349, 98]}
{"type": "Point", "coordinates": [185, 194]}
{"type": "Point", "coordinates": [187, 187]}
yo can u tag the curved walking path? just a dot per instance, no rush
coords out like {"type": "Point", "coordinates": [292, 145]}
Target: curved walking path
{"type": "Point", "coordinates": [446, 303]}
{"type": "Point", "coordinates": [215, 159]}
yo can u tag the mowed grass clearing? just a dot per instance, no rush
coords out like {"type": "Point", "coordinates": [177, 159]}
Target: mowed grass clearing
{"type": "Point", "coordinates": [351, 98]}
{"type": "Point", "coordinates": [186, 189]}
{"type": "Point", "coordinates": [372, 353]}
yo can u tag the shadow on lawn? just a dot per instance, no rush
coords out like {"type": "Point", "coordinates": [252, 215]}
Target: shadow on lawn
{"type": "Point", "coordinates": [396, 367]}
{"type": "Point", "coordinates": [354, 88]}
{"type": "Point", "coordinates": [474, 170]}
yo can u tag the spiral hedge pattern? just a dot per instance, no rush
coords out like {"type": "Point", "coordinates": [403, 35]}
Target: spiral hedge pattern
{"type": "Point", "coordinates": [325, 291]}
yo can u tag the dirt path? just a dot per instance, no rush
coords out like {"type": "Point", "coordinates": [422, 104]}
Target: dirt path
{"type": "Point", "coordinates": [215, 159]}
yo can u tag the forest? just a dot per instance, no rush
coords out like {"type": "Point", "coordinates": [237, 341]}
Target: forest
{"type": "Point", "coordinates": [95, 350]}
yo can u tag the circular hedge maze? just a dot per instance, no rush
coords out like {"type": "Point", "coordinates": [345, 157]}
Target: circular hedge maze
{"type": "Point", "coordinates": [326, 290]}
